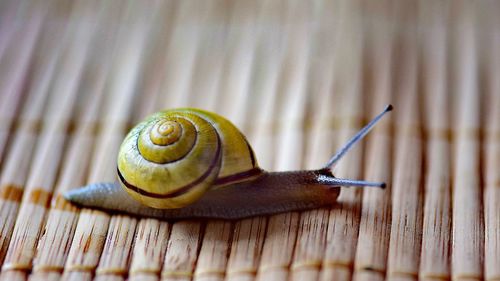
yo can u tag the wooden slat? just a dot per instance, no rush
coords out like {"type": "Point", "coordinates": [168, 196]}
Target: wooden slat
{"type": "Point", "coordinates": [344, 217]}
{"type": "Point", "coordinates": [407, 196]}
{"type": "Point", "coordinates": [17, 46]}
{"type": "Point", "coordinates": [374, 230]}
{"type": "Point", "coordinates": [149, 250]}
{"type": "Point", "coordinates": [152, 235]}
{"type": "Point", "coordinates": [213, 257]}
{"type": "Point", "coordinates": [467, 224]}
{"type": "Point", "coordinates": [180, 260]}
{"type": "Point", "coordinates": [289, 139]}
{"type": "Point", "coordinates": [182, 251]}
{"type": "Point", "coordinates": [248, 237]}
{"type": "Point", "coordinates": [233, 91]}
{"type": "Point", "coordinates": [321, 113]}
{"type": "Point", "coordinates": [491, 156]}
{"type": "Point", "coordinates": [115, 259]}
{"type": "Point", "coordinates": [436, 238]}
{"type": "Point", "coordinates": [190, 16]}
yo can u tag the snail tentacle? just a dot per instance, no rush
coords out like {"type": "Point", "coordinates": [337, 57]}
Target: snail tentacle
{"type": "Point", "coordinates": [348, 182]}
{"type": "Point", "coordinates": [356, 138]}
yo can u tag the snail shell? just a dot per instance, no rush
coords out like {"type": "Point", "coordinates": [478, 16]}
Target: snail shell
{"type": "Point", "coordinates": [170, 159]}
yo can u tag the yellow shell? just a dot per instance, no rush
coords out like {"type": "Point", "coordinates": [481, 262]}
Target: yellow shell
{"type": "Point", "coordinates": [171, 158]}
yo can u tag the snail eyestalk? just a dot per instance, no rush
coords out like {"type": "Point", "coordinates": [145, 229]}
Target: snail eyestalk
{"type": "Point", "coordinates": [356, 138]}
{"type": "Point", "coordinates": [347, 182]}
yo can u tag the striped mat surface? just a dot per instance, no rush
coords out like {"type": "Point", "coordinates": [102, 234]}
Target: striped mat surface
{"type": "Point", "coordinates": [299, 78]}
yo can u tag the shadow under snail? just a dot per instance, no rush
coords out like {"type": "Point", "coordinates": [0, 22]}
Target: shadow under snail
{"type": "Point", "coordinates": [191, 163]}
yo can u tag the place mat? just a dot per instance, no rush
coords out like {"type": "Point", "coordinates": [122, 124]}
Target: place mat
{"type": "Point", "coordinates": [299, 78]}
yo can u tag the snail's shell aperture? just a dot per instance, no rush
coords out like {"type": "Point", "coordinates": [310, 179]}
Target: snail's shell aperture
{"type": "Point", "coordinates": [171, 158]}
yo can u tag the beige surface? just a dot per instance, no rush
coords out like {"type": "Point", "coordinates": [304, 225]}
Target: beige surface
{"type": "Point", "coordinates": [299, 78]}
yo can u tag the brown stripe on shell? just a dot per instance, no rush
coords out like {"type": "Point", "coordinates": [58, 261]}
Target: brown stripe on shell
{"type": "Point", "coordinates": [181, 190]}
{"type": "Point", "coordinates": [238, 177]}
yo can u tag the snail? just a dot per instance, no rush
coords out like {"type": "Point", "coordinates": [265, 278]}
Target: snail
{"type": "Point", "coordinates": [191, 163]}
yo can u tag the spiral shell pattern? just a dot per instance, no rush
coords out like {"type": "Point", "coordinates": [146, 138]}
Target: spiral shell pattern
{"type": "Point", "coordinates": [171, 158]}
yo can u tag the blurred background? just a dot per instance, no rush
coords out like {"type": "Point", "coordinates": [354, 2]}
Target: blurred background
{"type": "Point", "coordinates": [270, 66]}
{"type": "Point", "coordinates": [298, 78]}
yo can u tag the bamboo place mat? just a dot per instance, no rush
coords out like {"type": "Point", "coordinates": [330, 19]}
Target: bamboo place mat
{"type": "Point", "coordinates": [298, 78]}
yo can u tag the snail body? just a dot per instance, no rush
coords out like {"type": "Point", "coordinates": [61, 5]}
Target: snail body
{"type": "Point", "coordinates": [185, 163]}
{"type": "Point", "coordinates": [271, 193]}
